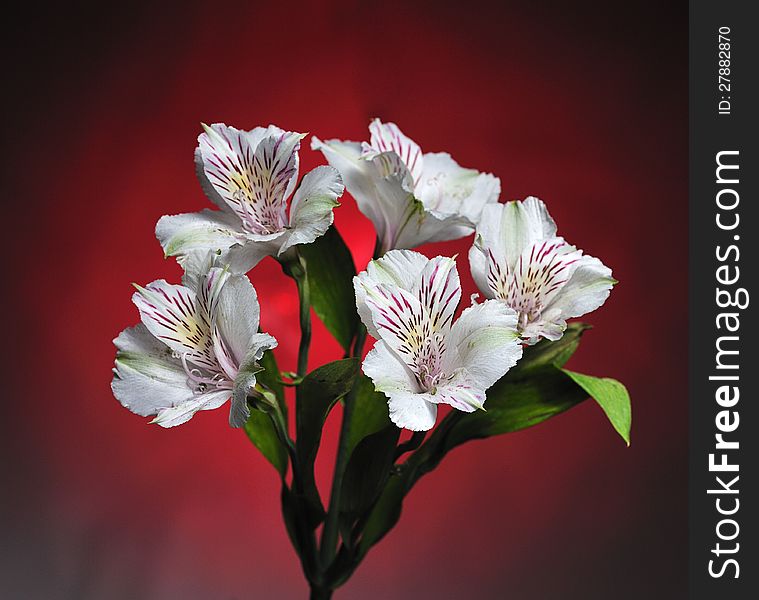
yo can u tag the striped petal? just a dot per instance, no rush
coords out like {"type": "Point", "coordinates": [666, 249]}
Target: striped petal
{"type": "Point", "coordinates": [397, 153]}
{"type": "Point", "coordinates": [383, 198]}
{"type": "Point", "coordinates": [408, 408]}
{"type": "Point", "coordinates": [461, 392]}
{"type": "Point", "coordinates": [537, 277]}
{"type": "Point", "coordinates": [508, 229]}
{"type": "Point", "coordinates": [400, 268]}
{"type": "Point", "coordinates": [438, 289]}
{"type": "Point", "coordinates": [400, 321]}
{"type": "Point", "coordinates": [518, 259]}
{"type": "Point", "coordinates": [173, 315]}
{"type": "Point", "coordinates": [587, 288]}
{"type": "Point", "coordinates": [252, 172]}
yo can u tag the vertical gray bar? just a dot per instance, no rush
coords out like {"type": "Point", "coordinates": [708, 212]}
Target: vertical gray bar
{"type": "Point", "coordinates": [723, 332]}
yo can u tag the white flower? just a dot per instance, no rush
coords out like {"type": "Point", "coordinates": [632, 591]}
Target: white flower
{"type": "Point", "coordinates": [517, 258]}
{"type": "Point", "coordinates": [422, 357]}
{"type": "Point", "coordinates": [197, 344]}
{"type": "Point", "coordinates": [410, 197]}
{"type": "Point", "coordinates": [250, 175]}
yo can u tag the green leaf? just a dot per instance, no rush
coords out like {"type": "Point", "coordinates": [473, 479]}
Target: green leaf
{"type": "Point", "coordinates": [367, 470]}
{"type": "Point", "coordinates": [300, 532]}
{"type": "Point", "coordinates": [271, 378]}
{"type": "Point", "coordinates": [548, 353]}
{"type": "Point", "coordinates": [315, 397]}
{"type": "Point", "coordinates": [515, 405]}
{"type": "Point", "coordinates": [259, 426]}
{"type": "Point", "coordinates": [613, 398]}
{"type": "Point", "coordinates": [384, 515]}
{"type": "Point", "coordinates": [330, 271]}
{"type": "Point", "coordinates": [264, 436]}
{"type": "Point", "coordinates": [370, 413]}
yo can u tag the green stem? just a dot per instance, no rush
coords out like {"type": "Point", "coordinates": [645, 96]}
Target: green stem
{"type": "Point", "coordinates": [329, 535]}
{"type": "Point", "coordinates": [304, 298]}
{"type": "Point", "coordinates": [306, 548]}
{"type": "Point", "coordinates": [320, 593]}
{"type": "Point", "coordinates": [295, 266]}
{"type": "Point", "coordinates": [411, 444]}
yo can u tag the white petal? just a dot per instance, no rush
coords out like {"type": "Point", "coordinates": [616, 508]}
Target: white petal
{"type": "Point", "coordinates": [146, 377]}
{"type": "Point", "coordinates": [448, 189]}
{"type": "Point", "coordinates": [382, 199]}
{"type": "Point", "coordinates": [243, 258]}
{"type": "Point", "coordinates": [438, 289]}
{"type": "Point", "coordinates": [237, 316]}
{"type": "Point", "coordinates": [387, 139]}
{"type": "Point", "coordinates": [170, 312]}
{"type": "Point", "coordinates": [246, 378]}
{"type": "Point", "coordinates": [205, 184]}
{"type": "Point", "coordinates": [183, 412]}
{"type": "Point", "coordinates": [426, 226]}
{"type": "Point", "coordinates": [587, 289]}
{"type": "Point", "coordinates": [401, 268]}
{"type": "Point", "coordinates": [484, 341]}
{"type": "Point", "coordinates": [311, 208]}
{"type": "Point", "coordinates": [478, 265]}
{"type": "Point", "coordinates": [253, 172]}
{"type": "Point", "coordinates": [408, 408]}
{"type": "Point", "coordinates": [207, 230]}
{"type": "Point", "coordinates": [506, 230]}
{"type": "Point", "coordinates": [462, 393]}
{"type": "Point", "coordinates": [399, 319]}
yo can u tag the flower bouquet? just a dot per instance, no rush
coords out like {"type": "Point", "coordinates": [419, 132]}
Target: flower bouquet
{"type": "Point", "coordinates": [499, 362]}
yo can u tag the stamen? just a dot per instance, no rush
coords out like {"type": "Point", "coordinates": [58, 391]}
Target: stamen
{"type": "Point", "coordinates": [198, 382]}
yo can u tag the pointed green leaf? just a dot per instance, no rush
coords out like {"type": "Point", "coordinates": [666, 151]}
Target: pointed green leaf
{"type": "Point", "coordinates": [370, 413]}
{"type": "Point", "coordinates": [330, 271]}
{"type": "Point", "coordinates": [613, 398]}
{"type": "Point", "coordinates": [264, 436]}
{"type": "Point", "coordinates": [384, 515]}
{"type": "Point", "coordinates": [271, 378]}
{"type": "Point", "coordinates": [546, 353]}
{"type": "Point", "coordinates": [516, 405]}
{"type": "Point", "coordinates": [259, 427]}
{"type": "Point", "coordinates": [315, 397]}
{"type": "Point", "coordinates": [367, 470]}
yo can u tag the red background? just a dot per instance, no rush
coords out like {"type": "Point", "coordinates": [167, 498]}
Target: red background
{"type": "Point", "coordinates": [583, 105]}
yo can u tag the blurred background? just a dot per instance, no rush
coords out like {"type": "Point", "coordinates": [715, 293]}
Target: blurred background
{"type": "Point", "coordinates": [582, 104]}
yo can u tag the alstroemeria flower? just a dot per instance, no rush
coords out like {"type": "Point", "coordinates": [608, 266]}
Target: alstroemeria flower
{"type": "Point", "coordinates": [410, 197]}
{"type": "Point", "coordinates": [517, 258]}
{"type": "Point", "coordinates": [250, 175]}
{"type": "Point", "coordinates": [198, 343]}
{"type": "Point", "coordinates": [422, 357]}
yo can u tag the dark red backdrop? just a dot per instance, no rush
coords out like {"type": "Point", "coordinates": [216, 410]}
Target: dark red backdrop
{"type": "Point", "coordinates": [584, 106]}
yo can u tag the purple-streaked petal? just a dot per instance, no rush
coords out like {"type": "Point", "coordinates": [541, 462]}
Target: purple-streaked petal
{"type": "Point", "coordinates": [252, 172]}
{"type": "Point", "coordinates": [173, 315]}
{"type": "Point", "coordinates": [438, 289]}
{"type": "Point", "coordinates": [400, 268]}
{"type": "Point", "coordinates": [408, 408]}
{"type": "Point", "coordinates": [484, 340]}
{"type": "Point", "coordinates": [396, 151]}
